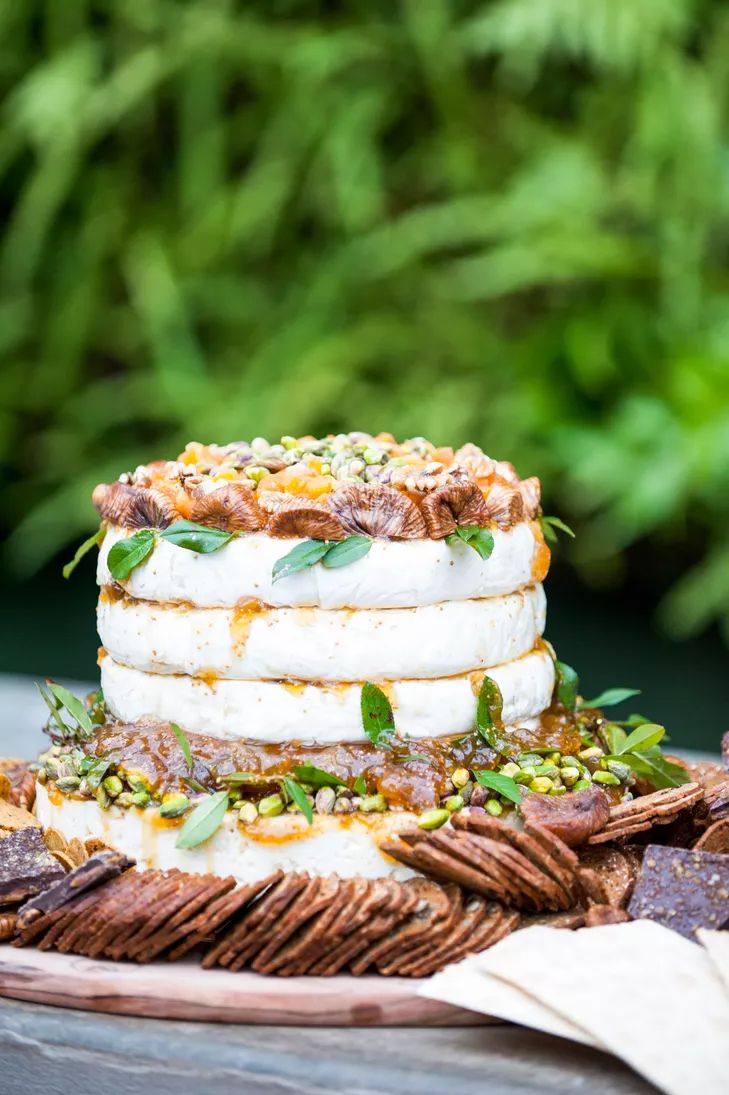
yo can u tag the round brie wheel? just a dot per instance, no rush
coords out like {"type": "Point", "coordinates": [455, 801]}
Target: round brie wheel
{"type": "Point", "coordinates": [317, 644]}
{"type": "Point", "coordinates": [347, 845]}
{"type": "Point", "coordinates": [391, 575]}
{"type": "Point", "coordinates": [281, 711]}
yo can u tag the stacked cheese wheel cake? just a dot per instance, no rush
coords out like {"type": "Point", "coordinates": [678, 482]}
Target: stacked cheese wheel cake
{"type": "Point", "coordinates": [306, 646]}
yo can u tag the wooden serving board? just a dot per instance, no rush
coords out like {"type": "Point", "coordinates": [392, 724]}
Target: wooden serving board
{"type": "Point", "coordinates": [183, 990]}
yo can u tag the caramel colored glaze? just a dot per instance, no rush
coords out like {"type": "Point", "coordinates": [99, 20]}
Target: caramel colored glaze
{"type": "Point", "coordinates": [208, 677]}
{"type": "Point", "coordinates": [156, 757]}
{"type": "Point", "coordinates": [542, 555]}
{"type": "Point", "coordinates": [243, 616]}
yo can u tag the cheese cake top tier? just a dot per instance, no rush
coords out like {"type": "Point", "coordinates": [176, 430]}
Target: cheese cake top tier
{"type": "Point", "coordinates": [325, 489]}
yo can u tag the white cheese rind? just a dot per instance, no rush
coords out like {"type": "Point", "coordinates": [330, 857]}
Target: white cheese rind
{"type": "Point", "coordinates": [347, 846]}
{"type": "Point", "coordinates": [391, 575]}
{"type": "Point", "coordinates": [275, 711]}
{"type": "Point", "coordinates": [317, 644]}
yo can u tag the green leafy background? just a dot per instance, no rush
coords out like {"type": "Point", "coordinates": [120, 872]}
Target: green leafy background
{"type": "Point", "coordinates": [504, 222]}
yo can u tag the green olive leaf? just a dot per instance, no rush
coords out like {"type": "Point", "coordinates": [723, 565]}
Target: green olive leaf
{"type": "Point", "coordinates": [317, 777]}
{"type": "Point", "coordinates": [205, 819]}
{"type": "Point", "coordinates": [503, 785]}
{"type": "Point", "coordinates": [198, 538]}
{"type": "Point", "coordinates": [567, 685]}
{"type": "Point", "coordinates": [95, 540]}
{"type": "Point", "coordinates": [127, 554]}
{"type": "Point", "coordinates": [480, 539]}
{"type": "Point", "coordinates": [657, 770]}
{"type": "Point", "coordinates": [96, 772]}
{"type": "Point", "coordinates": [610, 697]}
{"type": "Point", "coordinates": [74, 706]}
{"type": "Point", "coordinates": [244, 777]}
{"type": "Point", "coordinates": [347, 551]}
{"type": "Point", "coordinates": [549, 524]}
{"type": "Point", "coordinates": [412, 756]}
{"type": "Point", "coordinates": [643, 737]}
{"type": "Point", "coordinates": [360, 786]}
{"type": "Point", "coordinates": [183, 743]}
{"type": "Point", "coordinates": [377, 718]}
{"type": "Point", "coordinates": [298, 795]}
{"type": "Point", "coordinates": [488, 713]}
{"type": "Point", "coordinates": [299, 558]}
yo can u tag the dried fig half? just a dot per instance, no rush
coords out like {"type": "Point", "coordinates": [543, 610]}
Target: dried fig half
{"type": "Point", "coordinates": [133, 507]}
{"type": "Point", "coordinates": [378, 511]}
{"type": "Point", "coordinates": [504, 506]}
{"type": "Point", "coordinates": [455, 504]}
{"type": "Point", "coordinates": [307, 519]}
{"type": "Point", "coordinates": [572, 817]}
{"type": "Point", "coordinates": [232, 507]}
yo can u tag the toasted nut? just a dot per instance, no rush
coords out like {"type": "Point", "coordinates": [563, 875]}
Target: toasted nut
{"type": "Point", "coordinates": [140, 798]}
{"type": "Point", "coordinates": [526, 775]}
{"type": "Point", "coordinates": [433, 819]}
{"type": "Point", "coordinates": [271, 806]}
{"type": "Point", "coordinates": [582, 785]}
{"type": "Point", "coordinates": [510, 769]}
{"type": "Point", "coordinates": [592, 753]}
{"type": "Point", "coordinates": [174, 805]}
{"type": "Point", "coordinates": [569, 775]}
{"type": "Point", "coordinates": [102, 798]}
{"type": "Point", "coordinates": [460, 778]}
{"type": "Point", "coordinates": [124, 799]}
{"type": "Point", "coordinates": [550, 770]}
{"type": "Point", "coordinates": [541, 785]}
{"type": "Point", "coordinates": [529, 760]}
{"type": "Point", "coordinates": [343, 806]}
{"type": "Point", "coordinates": [248, 813]}
{"type": "Point", "coordinates": [622, 771]}
{"type": "Point", "coordinates": [554, 758]}
{"type": "Point", "coordinates": [494, 807]}
{"type": "Point", "coordinates": [557, 790]}
{"type": "Point", "coordinates": [325, 799]}
{"type": "Point", "coordinates": [68, 784]}
{"type": "Point", "coordinates": [453, 803]}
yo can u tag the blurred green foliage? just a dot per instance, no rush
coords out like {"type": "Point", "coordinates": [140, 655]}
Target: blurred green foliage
{"type": "Point", "coordinates": [505, 222]}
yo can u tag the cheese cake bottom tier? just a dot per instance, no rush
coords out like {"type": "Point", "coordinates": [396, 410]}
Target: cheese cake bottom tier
{"type": "Point", "coordinates": [345, 846]}
{"type": "Point", "coordinates": [282, 711]}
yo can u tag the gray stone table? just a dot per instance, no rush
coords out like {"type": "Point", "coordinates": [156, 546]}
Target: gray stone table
{"type": "Point", "coordinates": [54, 1051]}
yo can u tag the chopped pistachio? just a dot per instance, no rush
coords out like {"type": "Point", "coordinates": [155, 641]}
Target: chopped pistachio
{"type": "Point", "coordinates": [373, 804]}
{"type": "Point", "coordinates": [271, 806]}
{"type": "Point", "coordinates": [606, 778]}
{"type": "Point", "coordinates": [569, 761]}
{"type": "Point", "coordinates": [557, 790]}
{"type": "Point", "coordinates": [550, 770]}
{"type": "Point", "coordinates": [68, 783]}
{"type": "Point", "coordinates": [113, 786]}
{"type": "Point", "coordinates": [494, 807]}
{"type": "Point", "coordinates": [622, 771]}
{"type": "Point", "coordinates": [256, 474]}
{"type": "Point", "coordinates": [526, 775]}
{"type": "Point", "coordinates": [140, 798]}
{"type": "Point", "coordinates": [541, 785]}
{"type": "Point", "coordinates": [433, 819]}
{"type": "Point", "coordinates": [325, 800]}
{"type": "Point", "coordinates": [101, 797]}
{"type": "Point", "coordinates": [460, 778]}
{"type": "Point", "coordinates": [343, 806]}
{"type": "Point", "coordinates": [453, 803]}
{"type": "Point", "coordinates": [125, 799]}
{"type": "Point", "coordinates": [593, 753]}
{"type": "Point", "coordinates": [581, 785]}
{"type": "Point", "coordinates": [174, 805]}
{"type": "Point", "coordinates": [510, 769]}
{"type": "Point", "coordinates": [554, 758]}
{"type": "Point", "coordinates": [569, 776]}
{"type": "Point", "coordinates": [529, 760]}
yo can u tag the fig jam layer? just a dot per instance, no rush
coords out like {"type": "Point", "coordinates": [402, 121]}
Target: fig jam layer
{"type": "Point", "coordinates": [416, 783]}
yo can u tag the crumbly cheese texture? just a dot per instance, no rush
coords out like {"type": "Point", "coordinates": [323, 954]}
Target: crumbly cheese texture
{"type": "Point", "coordinates": [391, 575]}
{"type": "Point", "coordinates": [283, 711]}
{"type": "Point", "coordinates": [255, 642]}
{"type": "Point", "coordinates": [348, 845]}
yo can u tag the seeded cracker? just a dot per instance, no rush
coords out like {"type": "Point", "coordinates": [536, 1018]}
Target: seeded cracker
{"type": "Point", "coordinates": [221, 912]}
{"type": "Point", "coordinates": [681, 889]}
{"type": "Point", "coordinates": [473, 914]}
{"type": "Point", "coordinates": [615, 871]}
{"type": "Point", "coordinates": [715, 839]}
{"type": "Point", "coordinates": [432, 906]}
{"type": "Point", "coordinates": [95, 871]}
{"type": "Point", "coordinates": [309, 904]}
{"type": "Point", "coordinates": [430, 942]}
{"type": "Point", "coordinates": [151, 909]}
{"type": "Point", "coordinates": [294, 958]}
{"type": "Point", "coordinates": [249, 931]}
{"type": "Point", "coordinates": [641, 814]}
{"type": "Point", "coordinates": [398, 906]}
{"type": "Point", "coordinates": [178, 926]}
{"type": "Point", "coordinates": [377, 898]}
{"type": "Point", "coordinates": [189, 889]}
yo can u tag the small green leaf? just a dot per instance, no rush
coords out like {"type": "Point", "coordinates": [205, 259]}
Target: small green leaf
{"type": "Point", "coordinates": [127, 554]}
{"type": "Point", "coordinates": [660, 772]}
{"type": "Point", "coordinates": [634, 720]}
{"type": "Point", "coordinates": [567, 685]}
{"type": "Point", "coordinates": [317, 777]}
{"type": "Point", "coordinates": [196, 785]}
{"type": "Point", "coordinates": [480, 539]}
{"type": "Point", "coordinates": [503, 785]}
{"type": "Point", "coordinates": [299, 558]}
{"type": "Point", "coordinates": [643, 737]}
{"type": "Point", "coordinates": [205, 819]}
{"type": "Point", "coordinates": [615, 737]}
{"type": "Point", "coordinates": [488, 712]}
{"type": "Point", "coordinates": [610, 697]}
{"type": "Point", "coordinates": [183, 743]}
{"type": "Point", "coordinates": [377, 718]}
{"type": "Point", "coordinates": [94, 540]}
{"type": "Point", "coordinates": [298, 795]}
{"type": "Point", "coordinates": [72, 704]}
{"type": "Point", "coordinates": [55, 713]}
{"type": "Point", "coordinates": [244, 777]}
{"type": "Point", "coordinates": [549, 524]}
{"type": "Point", "coordinates": [96, 772]}
{"type": "Point", "coordinates": [192, 537]}
{"type": "Point", "coordinates": [346, 551]}
{"type": "Point", "coordinates": [360, 786]}
{"type": "Point", "coordinates": [413, 756]}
